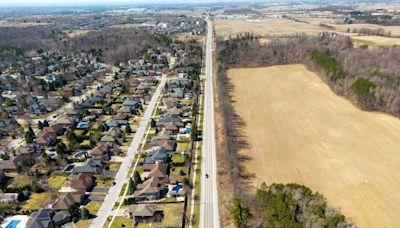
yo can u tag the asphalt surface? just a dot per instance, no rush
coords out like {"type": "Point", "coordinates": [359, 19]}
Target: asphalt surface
{"type": "Point", "coordinates": [16, 143]}
{"type": "Point", "coordinates": [122, 174]}
{"type": "Point", "coordinates": [209, 215]}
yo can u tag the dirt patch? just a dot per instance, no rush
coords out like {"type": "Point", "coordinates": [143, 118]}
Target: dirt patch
{"type": "Point", "coordinates": [299, 131]}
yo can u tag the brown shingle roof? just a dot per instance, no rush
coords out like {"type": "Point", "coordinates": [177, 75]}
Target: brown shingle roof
{"type": "Point", "coordinates": [159, 171]}
{"type": "Point", "coordinates": [67, 199]}
{"type": "Point", "coordinates": [168, 144]}
{"type": "Point", "coordinates": [142, 210]}
{"type": "Point", "coordinates": [81, 181]}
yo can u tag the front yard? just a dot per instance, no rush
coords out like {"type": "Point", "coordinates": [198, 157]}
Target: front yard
{"type": "Point", "coordinates": [104, 182]}
{"type": "Point", "coordinates": [115, 166]}
{"type": "Point", "coordinates": [93, 206]}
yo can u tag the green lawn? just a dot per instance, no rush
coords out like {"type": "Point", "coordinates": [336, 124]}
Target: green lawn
{"type": "Point", "coordinates": [123, 189]}
{"type": "Point", "coordinates": [104, 182]}
{"type": "Point", "coordinates": [173, 213]}
{"type": "Point", "coordinates": [84, 223]}
{"type": "Point", "coordinates": [186, 102]}
{"type": "Point", "coordinates": [93, 206]}
{"type": "Point", "coordinates": [196, 214]}
{"type": "Point", "coordinates": [20, 180]}
{"type": "Point", "coordinates": [178, 159]}
{"type": "Point", "coordinates": [37, 201]}
{"type": "Point", "coordinates": [57, 180]}
{"type": "Point", "coordinates": [146, 146]}
{"type": "Point", "coordinates": [85, 143]}
{"type": "Point", "coordinates": [175, 173]}
{"type": "Point", "coordinates": [115, 166]}
{"type": "Point", "coordinates": [79, 132]}
{"type": "Point", "coordinates": [183, 146]}
{"type": "Point", "coordinates": [120, 221]}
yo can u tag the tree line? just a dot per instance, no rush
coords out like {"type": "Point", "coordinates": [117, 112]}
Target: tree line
{"type": "Point", "coordinates": [346, 69]}
{"type": "Point", "coordinates": [368, 77]}
{"type": "Point", "coordinates": [286, 205]}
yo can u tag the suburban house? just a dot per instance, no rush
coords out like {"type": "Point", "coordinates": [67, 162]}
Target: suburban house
{"type": "Point", "coordinates": [66, 122]}
{"type": "Point", "coordinates": [158, 156]}
{"type": "Point", "coordinates": [46, 218]}
{"type": "Point", "coordinates": [145, 213]}
{"type": "Point", "coordinates": [167, 144]}
{"type": "Point", "coordinates": [102, 151]}
{"type": "Point", "coordinates": [45, 138]}
{"type": "Point", "coordinates": [148, 190]}
{"type": "Point", "coordinates": [89, 166]}
{"type": "Point", "coordinates": [159, 171]}
{"type": "Point", "coordinates": [41, 219]}
{"type": "Point", "coordinates": [57, 129]}
{"type": "Point", "coordinates": [61, 218]}
{"type": "Point", "coordinates": [108, 139]}
{"type": "Point", "coordinates": [131, 104]}
{"type": "Point", "coordinates": [11, 165]}
{"type": "Point", "coordinates": [67, 199]}
{"type": "Point", "coordinates": [81, 182]}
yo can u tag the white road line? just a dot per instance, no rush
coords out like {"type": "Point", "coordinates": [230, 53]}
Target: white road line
{"type": "Point", "coordinates": [209, 214]}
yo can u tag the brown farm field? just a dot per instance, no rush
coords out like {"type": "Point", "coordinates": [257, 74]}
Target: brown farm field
{"type": "Point", "coordinates": [377, 40]}
{"type": "Point", "coordinates": [284, 27]}
{"type": "Point", "coordinates": [270, 26]}
{"type": "Point", "coordinates": [298, 130]}
{"type": "Point", "coordinates": [394, 30]}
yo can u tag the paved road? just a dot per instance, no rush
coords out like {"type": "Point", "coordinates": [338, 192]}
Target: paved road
{"type": "Point", "coordinates": [16, 143]}
{"type": "Point", "coordinates": [209, 216]}
{"type": "Point", "coordinates": [120, 179]}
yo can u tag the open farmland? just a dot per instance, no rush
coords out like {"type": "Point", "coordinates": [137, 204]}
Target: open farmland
{"type": "Point", "coordinates": [394, 30]}
{"type": "Point", "coordinates": [377, 40]}
{"type": "Point", "coordinates": [300, 131]}
{"type": "Point", "coordinates": [283, 27]}
{"type": "Point", "coordinates": [265, 27]}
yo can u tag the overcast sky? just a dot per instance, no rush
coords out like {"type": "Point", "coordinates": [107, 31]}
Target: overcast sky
{"type": "Point", "coordinates": [93, 2]}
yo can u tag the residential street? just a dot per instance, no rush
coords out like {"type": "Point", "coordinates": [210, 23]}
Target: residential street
{"type": "Point", "coordinates": [113, 194]}
{"type": "Point", "coordinates": [63, 109]}
{"type": "Point", "coordinates": [209, 216]}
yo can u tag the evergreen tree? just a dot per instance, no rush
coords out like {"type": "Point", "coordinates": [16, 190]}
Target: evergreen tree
{"type": "Point", "coordinates": [240, 214]}
{"type": "Point", "coordinates": [46, 123]}
{"type": "Point", "coordinates": [131, 186]}
{"type": "Point", "coordinates": [31, 132]}
{"type": "Point", "coordinates": [136, 177]}
{"type": "Point", "coordinates": [61, 148]}
{"type": "Point", "coordinates": [128, 129]}
{"type": "Point", "coordinates": [40, 125]}
{"type": "Point", "coordinates": [74, 211]}
{"type": "Point", "coordinates": [85, 213]}
{"type": "Point", "coordinates": [28, 137]}
{"type": "Point", "coordinates": [153, 123]}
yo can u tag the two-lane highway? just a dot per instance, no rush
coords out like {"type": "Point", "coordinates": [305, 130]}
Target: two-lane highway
{"type": "Point", "coordinates": [209, 216]}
